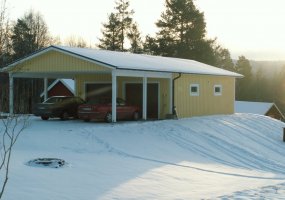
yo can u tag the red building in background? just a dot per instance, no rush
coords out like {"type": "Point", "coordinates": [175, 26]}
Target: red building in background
{"type": "Point", "coordinates": [61, 87]}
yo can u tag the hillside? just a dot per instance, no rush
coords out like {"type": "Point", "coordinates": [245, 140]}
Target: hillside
{"type": "Point", "coordinates": [215, 157]}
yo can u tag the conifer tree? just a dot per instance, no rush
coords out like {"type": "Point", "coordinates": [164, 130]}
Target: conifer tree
{"type": "Point", "coordinates": [182, 31]}
{"type": "Point", "coordinates": [110, 31]}
{"type": "Point", "coordinates": [119, 28]}
{"type": "Point", "coordinates": [223, 58]}
{"type": "Point", "coordinates": [244, 85]}
{"type": "Point", "coordinates": [125, 19]}
{"type": "Point", "coordinates": [29, 34]}
{"type": "Point", "coordinates": [135, 39]}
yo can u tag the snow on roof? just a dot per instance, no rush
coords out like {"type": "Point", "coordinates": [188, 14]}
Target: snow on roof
{"type": "Point", "coordinates": [68, 83]}
{"type": "Point", "coordinates": [252, 107]}
{"type": "Point", "coordinates": [130, 61]}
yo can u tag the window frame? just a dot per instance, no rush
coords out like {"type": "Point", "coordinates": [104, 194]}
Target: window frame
{"type": "Point", "coordinates": [221, 90]}
{"type": "Point", "coordinates": [198, 89]}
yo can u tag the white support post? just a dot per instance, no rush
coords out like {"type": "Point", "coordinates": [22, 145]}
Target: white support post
{"type": "Point", "coordinates": [11, 94]}
{"type": "Point", "coordinates": [144, 116]}
{"type": "Point", "coordinates": [114, 96]}
{"type": "Point", "coordinates": [170, 96]}
{"type": "Point", "coordinates": [45, 88]}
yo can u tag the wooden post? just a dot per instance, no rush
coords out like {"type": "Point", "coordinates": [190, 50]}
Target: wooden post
{"type": "Point", "coordinates": [45, 89]}
{"type": "Point", "coordinates": [144, 116]}
{"type": "Point", "coordinates": [114, 96]}
{"type": "Point", "coordinates": [11, 93]}
{"type": "Point", "coordinates": [284, 134]}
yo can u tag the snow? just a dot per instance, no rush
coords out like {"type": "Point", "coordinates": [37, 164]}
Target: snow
{"type": "Point", "coordinates": [252, 107]}
{"type": "Point", "coordinates": [237, 156]}
{"type": "Point", "coordinates": [130, 61]}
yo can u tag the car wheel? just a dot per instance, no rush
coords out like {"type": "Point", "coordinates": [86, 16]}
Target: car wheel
{"type": "Point", "coordinates": [136, 116]}
{"type": "Point", "coordinates": [64, 116]}
{"type": "Point", "coordinates": [44, 118]}
{"type": "Point", "coordinates": [108, 117]}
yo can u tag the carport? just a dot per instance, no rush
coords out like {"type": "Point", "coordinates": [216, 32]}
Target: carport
{"type": "Point", "coordinates": [77, 63]}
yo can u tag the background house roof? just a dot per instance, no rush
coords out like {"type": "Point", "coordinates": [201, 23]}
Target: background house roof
{"type": "Point", "coordinates": [252, 107]}
{"type": "Point", "coordinates": [68, 83]}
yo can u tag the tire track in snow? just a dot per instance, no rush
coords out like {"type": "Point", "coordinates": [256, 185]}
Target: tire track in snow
{"type": "Point", "coordinates": [248, 159]}
{"type": "Point", "coordinates": [220, 142]}
{"type": "Point", "coordinates": [113, 150]}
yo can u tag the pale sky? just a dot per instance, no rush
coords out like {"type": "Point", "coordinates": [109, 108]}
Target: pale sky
{"type": "Point", "coordinates": [254, 28]}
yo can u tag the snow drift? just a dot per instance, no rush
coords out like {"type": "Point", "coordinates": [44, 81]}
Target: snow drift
{"type": "Point", "coordinates": [197, 158]}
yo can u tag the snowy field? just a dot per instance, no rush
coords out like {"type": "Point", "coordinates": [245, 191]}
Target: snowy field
{"type": "Point", "coordinates": [239, 156]}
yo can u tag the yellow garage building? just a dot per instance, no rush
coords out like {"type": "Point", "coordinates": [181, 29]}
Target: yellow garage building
{"type": "Point", "coordinates": [157, 84]}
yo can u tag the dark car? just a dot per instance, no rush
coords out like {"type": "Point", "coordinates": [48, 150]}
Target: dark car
{"type": "Point", "coordinates": [61, 107]}
{"type": "Point", "coordinates": [101, 109]}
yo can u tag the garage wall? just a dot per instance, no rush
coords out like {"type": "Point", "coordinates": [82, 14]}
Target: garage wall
{"type": "Point", "coordinates": [163, 91]}
{"type": "Point", "coordinates": [206, 103]}
{"type": "Point", "coordinates": [81, 80]}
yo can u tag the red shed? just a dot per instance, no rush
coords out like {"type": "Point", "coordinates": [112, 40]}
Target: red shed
{"type": "Point", "coordinates": [61, 87]}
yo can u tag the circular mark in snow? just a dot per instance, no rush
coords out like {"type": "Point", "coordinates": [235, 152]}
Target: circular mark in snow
{"type": "Point", "coordinates": [47, 162]}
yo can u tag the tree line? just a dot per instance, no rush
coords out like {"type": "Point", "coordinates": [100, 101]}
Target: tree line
{"type": "Point", "coordinates": [181, 33]}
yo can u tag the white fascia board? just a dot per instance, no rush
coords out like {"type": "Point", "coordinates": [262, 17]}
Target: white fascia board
{"type": "Point", "coordinates": [138, 73]}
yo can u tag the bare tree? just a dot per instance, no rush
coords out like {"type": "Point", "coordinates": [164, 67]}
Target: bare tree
{"type": "Point", "coordinates": [10, 129]}
{"type": "Point", "coordinates": [5, 31]}
{"type": "Point", "coordinates": [74, 41]}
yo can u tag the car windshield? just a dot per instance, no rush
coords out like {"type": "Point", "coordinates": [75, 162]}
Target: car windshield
{"type": "Point", "coordinates": [54, 100]}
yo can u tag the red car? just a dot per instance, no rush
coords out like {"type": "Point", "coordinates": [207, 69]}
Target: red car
{"type": "Point", "coordinates": [102, 110]}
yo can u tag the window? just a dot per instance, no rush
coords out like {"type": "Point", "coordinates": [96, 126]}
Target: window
{"type": "Point", "coordinates": [217, 90]}
{"type": "Point", "coordinates": [194, 90]}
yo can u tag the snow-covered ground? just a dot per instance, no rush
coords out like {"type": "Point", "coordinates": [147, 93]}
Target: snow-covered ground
{"type": "Point", "coordinates": [240, 156]}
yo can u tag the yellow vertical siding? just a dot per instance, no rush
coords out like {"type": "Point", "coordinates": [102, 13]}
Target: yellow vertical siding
{"type": "Point", "coordinates": [82, 80]}
{"type": "Point", "coordinates": [206, 103]}
{"type": "Point", "coordinates": [54, 61]}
